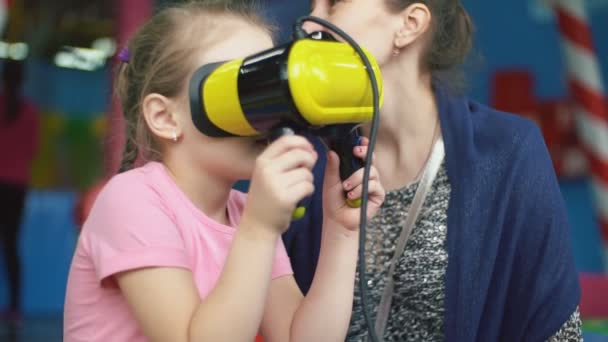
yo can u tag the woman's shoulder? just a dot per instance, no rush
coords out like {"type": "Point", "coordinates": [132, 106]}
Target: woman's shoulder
{"type": "Point", "coordinates": [491, 123]}
{"type": "Point", "coordinates": [502, 135]}
{"type": "Point", "coordinates": [510, 153]}
{"type": "Point", "coordinates": [499, 148]}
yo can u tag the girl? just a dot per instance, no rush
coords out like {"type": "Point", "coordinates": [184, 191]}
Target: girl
{"type": "Point", "coordinates": [488, 257]}
{"type": "Point", "coordinates": [169, 252]}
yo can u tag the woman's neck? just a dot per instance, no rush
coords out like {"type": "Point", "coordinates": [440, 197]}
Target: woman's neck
{"type": "Point", "coordinates": [206, 191]}
{"type": "Point", "coordinates": [408, 127]}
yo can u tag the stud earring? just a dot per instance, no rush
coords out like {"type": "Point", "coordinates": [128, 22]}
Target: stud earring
{"type": "Point", "coordinates": [175, 136]}
{"type": "Point", "coordinates": [396, 52]}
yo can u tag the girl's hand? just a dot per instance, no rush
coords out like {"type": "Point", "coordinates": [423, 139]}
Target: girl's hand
{"type": "Point", "coordinates": [335, 208]}
{"type": "Point", "coordinates": [282, 177]}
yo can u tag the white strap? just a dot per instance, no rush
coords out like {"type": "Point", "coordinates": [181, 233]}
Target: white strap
{"type": "Point", "coordinates": [430, 172]}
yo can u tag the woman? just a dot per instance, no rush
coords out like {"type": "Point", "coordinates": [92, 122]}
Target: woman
{"type": "Point", "coordinates": [489, 255]}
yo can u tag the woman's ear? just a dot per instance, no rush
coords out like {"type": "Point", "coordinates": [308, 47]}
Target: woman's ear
{"type": "Point", "coordinates": [160, 117]}
{"type": "Point", "coordinates": [416, 21]}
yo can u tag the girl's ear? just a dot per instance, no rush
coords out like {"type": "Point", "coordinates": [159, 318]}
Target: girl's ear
{"type": "Point", "coordinates": [161, 120]}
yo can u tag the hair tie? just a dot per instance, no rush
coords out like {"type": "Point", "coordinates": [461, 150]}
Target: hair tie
{"type": "Point", "coordinates": [124, 55]}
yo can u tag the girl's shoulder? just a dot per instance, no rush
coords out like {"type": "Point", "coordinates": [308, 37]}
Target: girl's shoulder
{"type": "Point", "coordinates": [132, 202]}
{"type": "Point", "coordinates": [142, 186]}
{"type": "Point", "coordinates": [135, 181]}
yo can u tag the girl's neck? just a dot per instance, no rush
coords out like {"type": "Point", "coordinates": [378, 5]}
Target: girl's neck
{"type": "Point", "coordinates": [206, 191]}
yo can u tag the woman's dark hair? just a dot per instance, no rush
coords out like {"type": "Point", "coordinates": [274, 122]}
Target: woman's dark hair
{"type": "Point", "coordinates": [452, 37]}
{"type": "Point", "coordinates": [452, 32]}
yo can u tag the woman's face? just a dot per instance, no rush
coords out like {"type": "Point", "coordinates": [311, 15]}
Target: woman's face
{"type": "Point", "coordinates": [368, 22]}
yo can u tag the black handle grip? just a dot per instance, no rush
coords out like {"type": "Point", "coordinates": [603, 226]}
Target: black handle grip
{"type": "Point", "coordinates": [342, 139]}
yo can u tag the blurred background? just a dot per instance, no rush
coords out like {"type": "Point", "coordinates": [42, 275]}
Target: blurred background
{"type": "Point", "coordinates": [542, 61]}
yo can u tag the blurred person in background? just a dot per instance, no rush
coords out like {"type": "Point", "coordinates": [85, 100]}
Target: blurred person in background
{"type": "Point", "coordinates": [18, 145]}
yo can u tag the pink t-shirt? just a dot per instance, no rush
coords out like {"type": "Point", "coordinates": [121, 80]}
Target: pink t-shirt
{"type": "Point", "coordinates": [142, 219]}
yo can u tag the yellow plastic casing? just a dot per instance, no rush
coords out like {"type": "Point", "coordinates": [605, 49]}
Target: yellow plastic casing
{"type": "Point", "coordinates": [221, 99]}
{"type": "Point", "coordinates": [329, 82]}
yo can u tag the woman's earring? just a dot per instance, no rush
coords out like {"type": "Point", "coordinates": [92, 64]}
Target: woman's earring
{"type": "Point", "coordinates": [175, 136]}
{"type": "Point", "coordinates": [396, 51]}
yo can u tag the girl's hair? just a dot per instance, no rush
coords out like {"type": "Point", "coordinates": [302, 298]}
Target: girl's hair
{"type": "Point", "coordinates": [452, 35]}
{"type": "Point", "coordinates": [160, 55]}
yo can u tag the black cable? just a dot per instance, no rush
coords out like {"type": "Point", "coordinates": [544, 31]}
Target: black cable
{"type": "Point", "coordinates": [298, 34]}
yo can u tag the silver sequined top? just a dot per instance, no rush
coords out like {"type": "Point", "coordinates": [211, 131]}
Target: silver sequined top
{"type": "Point", "coordinates": [417, 310]}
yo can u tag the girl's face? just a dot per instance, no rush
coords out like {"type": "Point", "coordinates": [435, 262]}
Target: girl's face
{"type": "Point", "coordinates": [368, 22]}
{"type": "Point", "coordinates": [231, 158]}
